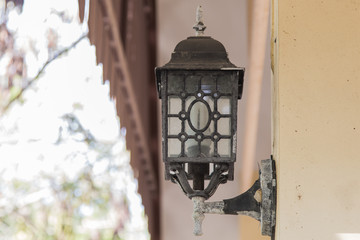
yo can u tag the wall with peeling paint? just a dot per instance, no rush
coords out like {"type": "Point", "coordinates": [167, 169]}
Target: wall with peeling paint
{"type": "Point", "coordinates": [316, 113]}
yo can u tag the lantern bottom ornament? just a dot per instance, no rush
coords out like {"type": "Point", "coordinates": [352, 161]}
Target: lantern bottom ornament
{"type": "Point", "coordinates": [217, 177]}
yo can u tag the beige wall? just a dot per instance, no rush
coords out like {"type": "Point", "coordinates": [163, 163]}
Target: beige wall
{"type": "Point", "coordinates": [317, 119]}
{"type": "Point", "coordinates": [226, 22]}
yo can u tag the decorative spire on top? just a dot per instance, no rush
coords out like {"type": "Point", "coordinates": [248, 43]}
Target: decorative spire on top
{"type": "Point", "coordinates": [199, 26]}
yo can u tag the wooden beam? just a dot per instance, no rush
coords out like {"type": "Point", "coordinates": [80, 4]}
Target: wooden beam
{"type": "Point", "coordinates": [259, 30]}
{"type": "Point", "coordinates": [138, 129]}
{"type": "Point", "coordinates": [81, 10]}
{"type": "Point", "coordinates": [92, 20]}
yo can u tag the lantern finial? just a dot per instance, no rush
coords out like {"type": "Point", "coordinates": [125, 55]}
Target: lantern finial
{"type": "Point", "coordinates": [199, 26]}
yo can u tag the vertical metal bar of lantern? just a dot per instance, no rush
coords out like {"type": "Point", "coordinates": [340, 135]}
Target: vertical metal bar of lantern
{"type": "Point", "coordinates": [258, 37]}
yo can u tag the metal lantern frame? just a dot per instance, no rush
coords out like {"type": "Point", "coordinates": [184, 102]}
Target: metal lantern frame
{"type": "Point", "coordinates": [199, 72]}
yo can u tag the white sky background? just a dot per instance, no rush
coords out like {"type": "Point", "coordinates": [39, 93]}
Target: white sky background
{"type": "Point", "coordinates": [70, 84]}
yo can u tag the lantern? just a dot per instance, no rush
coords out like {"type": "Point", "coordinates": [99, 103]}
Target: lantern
{"type": "Point", "coordinates": [199, 88]}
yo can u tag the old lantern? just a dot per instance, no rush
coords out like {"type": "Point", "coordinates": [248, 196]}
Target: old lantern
{"type": "Point", "coordinates": [199, 88]}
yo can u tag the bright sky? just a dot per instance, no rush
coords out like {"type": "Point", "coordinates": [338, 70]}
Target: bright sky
{"type": "Point", "coordinates": [71, 84]}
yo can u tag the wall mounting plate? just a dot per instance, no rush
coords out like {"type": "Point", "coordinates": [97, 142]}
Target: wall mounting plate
{"type": "Point", "coordinates": [268, 200]}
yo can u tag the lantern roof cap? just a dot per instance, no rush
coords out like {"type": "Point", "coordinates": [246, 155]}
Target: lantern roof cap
{"type": "Point", "coordinates": [199, 52]}
{"type": "Point", "coordinates": [200, 44]}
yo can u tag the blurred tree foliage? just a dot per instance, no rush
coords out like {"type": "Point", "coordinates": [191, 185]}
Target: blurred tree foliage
{"type": "Point", "coordinates": [80, 205]}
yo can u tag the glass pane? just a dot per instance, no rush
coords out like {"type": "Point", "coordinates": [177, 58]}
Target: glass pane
{"type": "Point", "coordinates": [188, 130]}
{"type": "Point", "coordinates": [210, 129]}
{"type": "Point", "coordinates": [208, 84]}
{"type": "Point", "coordinates": [188, 101]}
{"type": "Point", "coordinates": [223, 105]}
{"type": "Point", "coordinates": [224, 147]}
{"type": "Point", "coordinates": [174, 105]}
{"type": "Point", "coordinates": [174, 126]}
{"type": "Point", "coordinates": [210, 101]}
{"type": "Point", "coordinates": [225, 84]}
{"type": "Point", "coordinates": [191, 148]}
{"type": "Point", "coordinates": [206, 132]}
{"type": "Point", "coordinates": [199, 115]}
{"type": "Point", "coordinates": [175, 83]}
{"type": "Point", "coordinates": [224, 126]}
{"type": "Point", "coordinates": [174, 147]}
{"type": "Point", "coordinates": [192, 84]}
{"type": "Point", "coordinates": [207, 148]}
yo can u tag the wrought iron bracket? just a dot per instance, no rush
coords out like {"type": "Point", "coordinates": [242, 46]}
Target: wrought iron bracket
{"type": "Point", "coordinates": [258, 202]}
